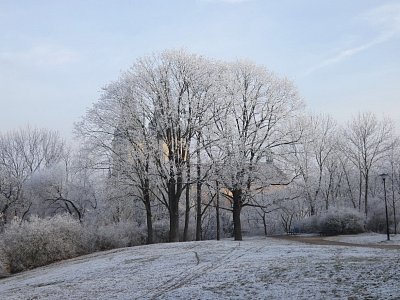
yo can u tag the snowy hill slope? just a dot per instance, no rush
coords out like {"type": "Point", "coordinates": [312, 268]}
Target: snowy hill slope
{"type": "Point", "coordinates": [255, 268]}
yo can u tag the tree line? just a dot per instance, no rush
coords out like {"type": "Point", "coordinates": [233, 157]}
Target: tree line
{"type": "Point", "coordinates": [191, 140]}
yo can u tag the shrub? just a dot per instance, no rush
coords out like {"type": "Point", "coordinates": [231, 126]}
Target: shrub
{"type": "Point", "coordinates": [335, 221]}
{"type": "Point", "coordinates": [37, 242]}
{"type": "Point", "coordinates": [117, 235]}
{"type": "Point", "coordinates": [342, 221]}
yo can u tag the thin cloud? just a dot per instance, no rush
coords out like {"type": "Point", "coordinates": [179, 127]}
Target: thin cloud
{"type": "Point", "coordinates": [43, 55]}
{"type": "Point", "coordinates": [386, 19]}
{"type": "Point", "coordinates": [345, 54]}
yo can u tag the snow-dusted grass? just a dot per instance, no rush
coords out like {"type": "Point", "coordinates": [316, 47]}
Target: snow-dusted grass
{"type": "Point", "coordinates": [255, 268]}
{"type": "Point", "coordinates": [367, 239]}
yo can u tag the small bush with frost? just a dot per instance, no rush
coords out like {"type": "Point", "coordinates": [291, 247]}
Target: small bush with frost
{"type": "Point", "coordinates": [37, 242]}
{"type": "Point", "coordinates": [334, 221]}
{"type": "Point", "coordinates": [341, 221]}
{"type": "Point", "coordinates": [117, 235]}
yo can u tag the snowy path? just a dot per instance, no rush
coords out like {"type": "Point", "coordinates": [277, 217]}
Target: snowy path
{"type": "Point", "coordinates": [337, 241]}
{"type": "Point", "coordinates": [256, 268]}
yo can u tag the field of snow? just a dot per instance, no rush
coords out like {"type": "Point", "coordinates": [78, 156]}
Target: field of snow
{"type": "Point", "coordinates": [256, 268]}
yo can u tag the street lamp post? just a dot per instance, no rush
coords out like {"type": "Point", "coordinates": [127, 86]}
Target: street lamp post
{"type": "Point", "coordinates": [384, 176]}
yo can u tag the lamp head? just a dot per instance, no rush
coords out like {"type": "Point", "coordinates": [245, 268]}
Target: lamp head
{"type": "Point", "coordinates": [384, 176]}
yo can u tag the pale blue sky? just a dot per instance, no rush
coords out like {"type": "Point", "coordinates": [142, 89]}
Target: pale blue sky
{"type": "Point", "coordinates": [344, 55]}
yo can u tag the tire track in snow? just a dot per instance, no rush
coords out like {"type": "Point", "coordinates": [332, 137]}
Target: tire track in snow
{"type": "Point", "coordinates": [190, 274]}
{"type": "Point", "coordinates": [197, 271]}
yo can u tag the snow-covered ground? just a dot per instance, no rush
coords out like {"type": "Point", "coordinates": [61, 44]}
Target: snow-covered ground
{"type": "Point", "coordinates": [256, 268]}
{"type": "Point", "coordinates": [367, 239]}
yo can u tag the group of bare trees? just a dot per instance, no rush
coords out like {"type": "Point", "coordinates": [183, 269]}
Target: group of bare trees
{"type": "Point", "coordinates": [181, 130]}
{"type": "Point", "coordinates": [177, 123]}
{"type": "Point", "coordinates": [187, 138]}
{"type": "Point", "coordinates": [24, 153]}
{"type": "Point", "coordinates": [339, 166]}
{"type": "Point", "coordinates": [38, 176]}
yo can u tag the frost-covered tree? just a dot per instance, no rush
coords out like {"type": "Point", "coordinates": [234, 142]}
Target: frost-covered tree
{"type": "Point", "coordinates": [314, 159]}
{"type": "Point", "coordinates": [67, 187]}
{"type": "Point", "coordinates": [145, 122]}
{"type": "Point", "coordinates": [23, 153]}
{"type": "Point", "coordinates": [176, 88]}
{"type": "Point", "coordinates": [257, 118]}
{"type": "Point", "coordinates": [117, 131]}
{"type": "Point", "coordinates": [367, 141]}
{"type": "Point", "coordinates": [176, 119]}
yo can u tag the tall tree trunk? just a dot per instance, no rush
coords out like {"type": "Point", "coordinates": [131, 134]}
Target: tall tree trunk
{"type": "Point", "coordinates": [173, 212]}
{"type": "Point", "coordinates": [237, 207]}
{"type": "Point", "coordinates": [353, 201]}
{"type": "Point", "coordinates": [187, 204]}
{"type": "Point", "coordinates": [264, 218]}
{"type": "Point", "coordinates": [366, 193]}
{"type": "Point", "coordinates": [174, 222]}
{"type": "Point", "coordinates": [217, 213]}
{"type": "Point", "coordinates": [198, 191]}
{"type": "Point", "coordinates": [147, 204]}
{"type": "Point", "coordinates": [360, 193]}
{"type": "Point", "coordinates": [312, 206]}
{"type": "Point", "coordinates": [149, 217]}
